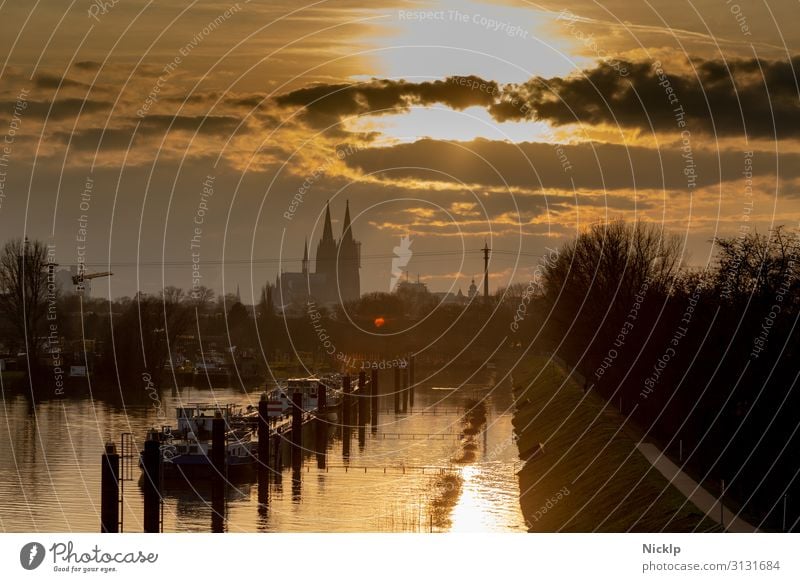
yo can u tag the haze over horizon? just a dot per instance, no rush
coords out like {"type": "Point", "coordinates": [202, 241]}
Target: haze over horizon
{"type": "Point", "coordinates": [518, 123]}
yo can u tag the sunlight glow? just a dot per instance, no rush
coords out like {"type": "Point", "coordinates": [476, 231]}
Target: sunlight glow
{"type": "Point", "coordinates": [444, 123]}
{"type": "Point", "coordinates": [462, 37]}
{"type": "Point", "coordinates": [473, 513]}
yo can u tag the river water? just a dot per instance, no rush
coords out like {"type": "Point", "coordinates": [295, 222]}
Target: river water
{"type": "Point", "coordinates": [411, 472]}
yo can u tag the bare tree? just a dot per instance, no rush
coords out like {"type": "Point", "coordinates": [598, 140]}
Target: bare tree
{"type": "Point", "coordinates": [24, 291]}
{"type": "Point", "coordinates": [177, 317]}
{"type": "Point", "coordinates": [201, 297]}
{"type": "Point", "coordinates": [606, 266]}
{"type": "Point", "coordinates": [512, 294]}
{"type": "Point", "coordinates": [757, 265]}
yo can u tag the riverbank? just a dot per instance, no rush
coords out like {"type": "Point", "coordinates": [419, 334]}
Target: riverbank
{"type": "Point", "coordinates": [581, 469]}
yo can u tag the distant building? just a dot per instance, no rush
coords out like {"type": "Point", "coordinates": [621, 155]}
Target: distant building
{"type": "Point", "coordinates": [448, 298]}
{"type": "Point", "coordinates": [417, 294]}
{"type": "Point", "coordinates": [473, 290]}
{"type": "Point", "coordinates": [411, 289]}
{"type": "Point", "coordinates": [336, 276]}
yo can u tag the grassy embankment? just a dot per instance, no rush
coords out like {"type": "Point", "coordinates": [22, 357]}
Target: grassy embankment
{"type": "Point", "coordinates": [589, 465]}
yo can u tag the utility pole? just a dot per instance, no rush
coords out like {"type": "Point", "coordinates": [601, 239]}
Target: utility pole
{"type": "Point", "coordinates": [485, 271]}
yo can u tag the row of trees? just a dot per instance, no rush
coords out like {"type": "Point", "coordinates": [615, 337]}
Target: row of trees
{"type": "Point", "coordinates": [705, 360]}
{"type": "Point", "coordinates": [140, 334]}
{"type": "Point", "coordinates": [24, 293]}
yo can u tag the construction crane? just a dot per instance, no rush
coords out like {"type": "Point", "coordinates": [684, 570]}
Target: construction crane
{"type": "Point", "coordinates": [79, 279]}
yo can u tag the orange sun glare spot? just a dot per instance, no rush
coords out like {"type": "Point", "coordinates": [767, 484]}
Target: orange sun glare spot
{"type": "Point", "coordinates": [379, 321]}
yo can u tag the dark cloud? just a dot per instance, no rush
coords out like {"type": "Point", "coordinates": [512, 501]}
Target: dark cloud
{"type": "Point", "coordinates": [119, 138]}
{"type": "Point", "coordinates": [324, 105]}
{"type": "Point", "coordinates": [48, 81]}
{"type": "Point", "coordinates": [249, 101]}
{"type": "Point", "coordinates": [755, 96]}
{"type": "Point", "coordinates": [204, 124]}
{"type": "Point", "coordinates": [194, 98]}
{"type": "Point", "coordinates": [110, 139]}
{"type": "Point", "coordinates": [60, 108]}
{"type": "Point", "coordinates": [87, 65]}
{"type": "Point", "coordinates": [589, 166]}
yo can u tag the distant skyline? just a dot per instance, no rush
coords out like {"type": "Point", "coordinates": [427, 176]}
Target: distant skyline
{"type": "Point", "coordinates": [185, 134]}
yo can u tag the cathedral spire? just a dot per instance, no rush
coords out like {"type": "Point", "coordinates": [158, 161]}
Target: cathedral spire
{"type": "Point", "coordinates": [327, 232]}
{"type": "Point", "coordinates": [347, 233]}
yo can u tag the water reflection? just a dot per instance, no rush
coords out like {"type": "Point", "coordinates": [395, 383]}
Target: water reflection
{"type": "Point", "coordinates": [49, 472]}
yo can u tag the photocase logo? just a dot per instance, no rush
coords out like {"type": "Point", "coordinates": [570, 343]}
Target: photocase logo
{"type": "Point", "coordinates": [402, 255]}
{"type": "Point", "coordinates": [31, 555]}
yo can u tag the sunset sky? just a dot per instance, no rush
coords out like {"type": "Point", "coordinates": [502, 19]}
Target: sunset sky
{"type": "Point", "coordinates": [454, 122]}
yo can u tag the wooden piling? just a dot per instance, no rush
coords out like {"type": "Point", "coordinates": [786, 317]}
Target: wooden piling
{"type": "Point", "coordinates": [321, 441]}
{"type": "Point", "coordinates": [219, 460]}
{"type": "Point", "coordinates": [322, 397]}
{"type": "Point", "coordinates": [109, 490]}
{"type": "Point", "coordinates": [263, 450]}
{"type": "Point", "coordinates": [404, 389]}
{"type": "Point", "coordinates": [297, 479]}
{"type": "Point", "coordinates": [151, 465]}
{"type": "Point", "coordinates": [297, 418]}
{"type": "Point", "coordinates": [218, 452]}
{"type": "Point", "coordinates": [411, 380]}
{"type": "Point", "coordinates": [362, 437]}
{"type": "Point", "coordinates": [346, 436]}
{"type": "Point", "coordinates": [396, 389]}
{"type": "Point", "coordinates": [346, 400]}
{"type": "Point", "coordinates": [375, 399]}
{"type": "Point", "coordinates": [278, 458]}
{"type": "Point", "coordinates": [363, 402]}
{"type": "Point", "coordinates": [263, 435]}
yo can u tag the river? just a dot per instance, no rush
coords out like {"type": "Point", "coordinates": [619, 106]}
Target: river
{"type": "Point", "coordinates": [390, 478]}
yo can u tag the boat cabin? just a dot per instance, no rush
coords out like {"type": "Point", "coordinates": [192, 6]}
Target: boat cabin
{"type": "Point", "coordinates": [197, 418]}
{"type": "Point", "coordinates": [280, 400]}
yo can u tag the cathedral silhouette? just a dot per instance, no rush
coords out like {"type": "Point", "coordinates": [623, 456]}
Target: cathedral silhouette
{"type": "Point", "coordinates": [336, 277]}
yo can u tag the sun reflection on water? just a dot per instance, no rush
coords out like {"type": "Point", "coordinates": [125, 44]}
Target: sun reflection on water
{"type": "Point", "coordinates": [482, 507]}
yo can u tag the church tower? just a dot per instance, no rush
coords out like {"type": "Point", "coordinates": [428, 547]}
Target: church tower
{"type": "Point", "coordinates": [326, 260]}
{"type": "Point", "coordinates": [473, 289]}
{"type": "Point", "coordinates": [349, 261]}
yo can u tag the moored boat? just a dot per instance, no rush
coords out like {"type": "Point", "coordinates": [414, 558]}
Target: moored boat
{"type": "Point", "coordinates": [187, 446]}
{"type": "Point", "coordinates": [312, 389]}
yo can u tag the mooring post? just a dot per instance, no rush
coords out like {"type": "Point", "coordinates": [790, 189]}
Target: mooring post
{"type": "Point", "coordinates": [297, 418]}
{"type": "Point", "coordinates": [362, 437]}
{"type": "Point", "coordinates": [346, 436]}
{"type": "Point", "coordinates": [297, 443]}
{"type": "Point", "coordinates": [346, 400]}
{"type": "Point", "coordinates": [263, 439]}
{"type": "Point", "coordinates": [363, 403]}
{"type": "Point", "coordinates": [151, 465]}
{"type": "Point", "coordinates": [297, 479]}
{"type": "Point", "coordinates": [321, 441]}
{"type": "Point", "coordinates": [322, 397]}
{"type": "Point", "coordinates": [218, 456]}
{"type": "Point", "coordinates": [278, 458]}
{"type": "Point", "coordinates": [109, 490]}
{"type": "Point", "coordinates": [404, 391]}
{"type": "Point", "coordinates": [375, 398]}
{"type": "Point", "coordinates": [219, 461]}
{"type": "Point", "coordinates": [263, 433]}
{"type": "Point", "coordinates": [411, 378]}
{"type": "Point", "coordinates": [396, 389]}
